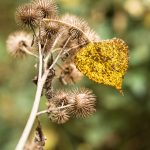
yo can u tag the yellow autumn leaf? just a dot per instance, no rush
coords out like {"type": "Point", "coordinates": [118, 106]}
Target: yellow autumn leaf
{"type": "Point", "coordinates": [104, 62]}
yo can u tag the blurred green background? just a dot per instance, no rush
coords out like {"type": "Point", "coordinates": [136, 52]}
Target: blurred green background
{"type": "Point", "coordinates": [121, 122]}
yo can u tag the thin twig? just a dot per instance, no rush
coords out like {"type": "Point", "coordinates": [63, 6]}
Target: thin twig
{"type": "Point", "coordinates": [52, 109]}
{"type": "Point", "coordinates": [41, 112]}
{"type": "Point", "coordinates": [69, 49]}
{"type": "Point", "coordinates": [32, 28]}
{"type": "Point", "coordinates": [49, 54]}
{"type": "Point", "coordinates": [40, 61]}
{"type": "Point", "coordinates": [28, 52]}
{"type": "Point", "coordinates": [56, 59]}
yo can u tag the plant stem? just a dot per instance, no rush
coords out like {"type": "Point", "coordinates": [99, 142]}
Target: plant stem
{"type": "Point", "coordinates": [28, 52]}
{"type": "Point", "coordinates": [41, 112]}
{"type": "Point", "coordinates": [52, 109]}
{"type": "Point", "coordinates": [40, 84]}
{"type": "Point", "coordinates": [31, 119]}
{"type": "Point", "coordinates": [30, 122]}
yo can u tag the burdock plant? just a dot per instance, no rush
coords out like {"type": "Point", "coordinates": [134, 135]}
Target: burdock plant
{"type": "Point", "coordinates": [64, 46]}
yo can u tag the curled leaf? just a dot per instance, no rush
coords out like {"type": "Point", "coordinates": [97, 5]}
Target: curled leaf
{"type": "Point", "coordinates": [104, 62]}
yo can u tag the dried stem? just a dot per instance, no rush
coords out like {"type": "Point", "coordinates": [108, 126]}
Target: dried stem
{"type": "Point", "coordinates": [41, 81]}
{"type": "Point", "coordinates": [52, 109]}
{"type": "Point", "coordinates": [30, 122]}
{"type": "Point", "coordinates": [49, 54]}
{"type": "Point", "coordinates": [58, 56]}
{"type": "Point", "coordinates": [42, 112]}
{"type": "Point", "coordinates": [40, 84]}
{"type": "Point", "coordinates": [28, 52]}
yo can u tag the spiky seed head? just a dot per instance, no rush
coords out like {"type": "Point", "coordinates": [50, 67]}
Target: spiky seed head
{"type": "Point", "coordinates": [70, 74]}
{"type": "Point", "coordinates": [50, 106]}
{"type": "Point", "coordinates": [79, 33]}
{"type": "Point", "coordinates": [75, 21]}
{"type": "Point", "coordinates": [74, 29]}
{"type": "Point", "coordinates": [28, 16]}
{"type": "Point", "coordinates": [50, 29]}
{"type": "Point", "coordinates": [81, 25]}
{"type": "Point", "coordinates": [48, 34]}
{"type": "Point", "coordinates": [59, 116]}
{"type": "Point", "coordinates": [83, 103]}
{"type": "Point", "coordinates": [17, 41]}
{"type": "Point", "coordinates": [47, 7]}
{"type": "Point", "coordinates": [60, 98]}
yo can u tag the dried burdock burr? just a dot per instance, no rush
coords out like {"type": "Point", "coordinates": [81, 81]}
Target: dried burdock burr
{"type": "Point", "coordinates": [83, 102]}
{"type": "Point", "coordinates": [28, 16]}
{"type": "Point", "coordinates": [70, 74]}
{"type": "Point", "coordinates": [19, 43]}
{"type": "Point", "coordinates": [49, 33]}
{"type": "Point", "coordinates": [47, 7]}
{"type": "Point", "coordinates": [73, 29]}
{"type": "Point", "coordinates": [60, 97]}
{"type": "Point", "coordinates": [59, 116]}
{"type": "Point", "coordinates": [50, 29]}
{"type": "Point", "coordinates": [79, 33]}
{"type": "Point", "coordinates": [79, 28]}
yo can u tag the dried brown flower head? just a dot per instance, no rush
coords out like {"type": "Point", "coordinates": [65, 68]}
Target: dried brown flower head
{"type": "Point", "coordinates": [47, 7]}
{"type": "Point", "coordinates": [79, 25]}
{"type": "Point", "coordinates": [49, 33]}
{"type": "Point", "coordinates": [78, 33]}
{"type": "Point", "coordinates": [70, 74]}
{"type": "Point", "coordinates": [50, 106]}
{"type": "Point", "coordinates": [75, 21]}
{"type": "Point", "coordinates": [74, 29]}
{"type": "Point", "coordinates": [59, 116]}
{"type": "Point", "coordinates": [60, 98]}
{"type": "Point", "coordinates": [28, 16]}
{"type": "Point", "coordinates": [83, 102]}
{"type": "Point", "coordinates": [50, 29]}
{"type": "Point", "coordinates": [18, 43]}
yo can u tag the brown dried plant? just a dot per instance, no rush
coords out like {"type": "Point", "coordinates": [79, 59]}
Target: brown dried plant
{"type": "Point", "coordinates": [61, 45]}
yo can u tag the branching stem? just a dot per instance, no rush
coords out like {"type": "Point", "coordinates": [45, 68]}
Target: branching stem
{"type": "Point", "coordinates": [30, 122]}
{"type": "Point", "coordinates": [41, 81]}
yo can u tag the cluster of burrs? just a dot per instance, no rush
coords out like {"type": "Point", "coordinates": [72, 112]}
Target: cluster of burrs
{"type": "Point", "coordinates": [58, 38]}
